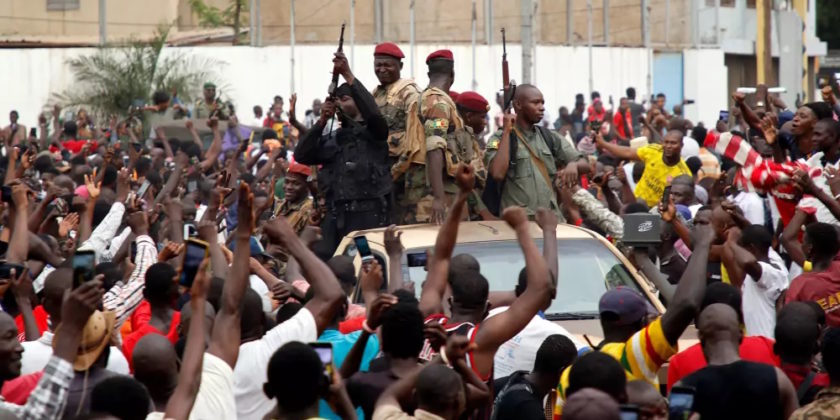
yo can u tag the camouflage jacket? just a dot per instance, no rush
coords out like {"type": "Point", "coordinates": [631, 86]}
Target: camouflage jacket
{"type": "Point", "coordinates": [393, 102]}
{"type": "Point", "coordinates": [599, 215]}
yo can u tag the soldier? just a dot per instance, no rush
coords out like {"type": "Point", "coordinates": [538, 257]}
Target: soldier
{"type": "Point", "coordinates": [447, 143]}
{"type": "Point", "coordinates": [355, 177]}
{"type": "Point", "coordinates": [473, 109]}
{"type": "Point", "coordinates": [297, 206]}
{"type": "Point", "coordinates": [205, 107]}
{"type": "Point", "coordinates": [527, 178]}
{"type": "Point", "coordinates": [395, 96]}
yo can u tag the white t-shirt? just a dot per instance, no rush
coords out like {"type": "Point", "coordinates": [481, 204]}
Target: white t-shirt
{"type": "Point", "coordinates": [752, 205]}
{"type": "Point", "coordinates": [37, 353]}
{"type": "Point", "coordinates": [690, 148]}
{"type": "Point", "coordinates": [250, 373]}
{"type": "Point", "coordinates": [215, 394]}
{"type": "Point", "coordinates": [759, 297]}
{"type": "Point", "coordinates": [520, 352]}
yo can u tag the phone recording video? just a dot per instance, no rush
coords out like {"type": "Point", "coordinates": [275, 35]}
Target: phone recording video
{"type": "Point", "coordinates": [144, 187]}
{"type": "Point", "coordinates": [194, 253]}
{"type": "Point", "coordinates": [84, 262]}
{"type": "Point", "coordinates": [6, 193]}
{"type": "Point", "coordinates": [680, 403]}
{"type": "Point", "coordinates": [6, 270]}
{"type": "Point", "coordinates": [363, 247]}
{"type": "Point", "coordinates": [325, 353]}
{"type": "Point", "coordinates": [666, 196]}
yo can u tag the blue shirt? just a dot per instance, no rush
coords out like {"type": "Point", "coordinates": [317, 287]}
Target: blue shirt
{"type": "Point", "coordinates": [342, 343]}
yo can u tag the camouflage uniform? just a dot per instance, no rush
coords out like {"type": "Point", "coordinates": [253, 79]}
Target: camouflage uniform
{"type": "Point", "coordinates": [298, 216]}
{"type": "Point", "coordinates": [444, 129]}
{"type": "Point", "coordinates": [527, 187]}
{"type": "Point", "coordinates": [394, 102]}
{"type": "Point", "coordinates": [203, 110]}
{"type": "Point", "coordinates": [599, 215]}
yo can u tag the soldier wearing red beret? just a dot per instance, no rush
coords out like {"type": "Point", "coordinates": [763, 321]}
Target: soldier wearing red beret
{"type": "Point", "coordinates": [473, 109]}
{"type": "Point", "coordinates": [394, 96]}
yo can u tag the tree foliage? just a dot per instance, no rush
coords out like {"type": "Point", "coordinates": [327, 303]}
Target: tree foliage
{"type": "Point", "coordinates": [828, 14]}
{"type": "Point", "coordinates": [111, 80]}
{"type": "Point", "coordinates": [233, 16]}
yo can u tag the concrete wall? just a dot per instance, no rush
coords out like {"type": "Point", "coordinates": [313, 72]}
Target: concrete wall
{"type": "Point", "coordinates": [254, 75]}
{"type": "Point", "coordinates": [125, 18]}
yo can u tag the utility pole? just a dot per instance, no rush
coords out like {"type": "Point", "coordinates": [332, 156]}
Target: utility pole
{"type": "Point", "coordinates": [488, 21]}
{"type": "Point", "coordinates": [801, 7]}
{"type": "Point", "coordinates": [292, 48]}
{"type": "Point", "coordinates": [527, 35]}
{"type": "Point", "coordinates": [589, 40]}
{"type": "Point", "coordinates": [763, 59]}
{"type": "Point", "coordinates": [377, 24]}
{"type": "Point", "coordinates": [569, 22]}
{"type": "Point", "coordinates": [411, 35]}
{"type": "Point", "coordinates": [259, 23]}
{"type": "Point", "coordinates": [103, 35]}
{"type": "Point", "coordinates": [606, 22]}
{"type": "Point", "coordinates": [474, 29]}
{"type": "Point", "coordinates": [252, 22]}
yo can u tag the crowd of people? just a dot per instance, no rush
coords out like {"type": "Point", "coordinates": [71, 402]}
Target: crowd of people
{"type": "Point", "coordinates": [109, 312]}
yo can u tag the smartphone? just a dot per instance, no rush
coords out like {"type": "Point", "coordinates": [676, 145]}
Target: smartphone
{"type": "Point", "coordinates": [680, 402]}
{"type": "Point", "coordinates": [666, 195]}
{"type": "Point", "coordinates": [6, 270]}
{"type": "Point", "coordinates": [417, 260]}
{"type": "Point", "coordinates": [133, 248]}
{"type": "Point", "coordinates": [629, 412]}
{"type": "Point", "coordinates": [143, 188]}
{"type": "Point", "coordinates": [325, 353]}
{"type": "Point", "coordinates": [195, 252]}
{"type": "Point", "coordinates": [6, 193]}
{"type": "Point", "coordinates": [190, 231]}
{"type": "Point", "coordinates": [192, 186]}
{"type": "Point", "coordinates": [84, 262]}
{"type": "Point", "coordinates": [364, 248]}
{"type": "Point", "coordinates": [724, 116]}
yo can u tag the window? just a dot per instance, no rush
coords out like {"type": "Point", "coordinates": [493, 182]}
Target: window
{"type": "Point", "coordinates": [587, 270]}
{"type": "Point", "coordinates": [62, 5]}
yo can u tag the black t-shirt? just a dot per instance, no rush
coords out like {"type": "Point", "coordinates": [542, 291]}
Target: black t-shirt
{"type": "Point", "coordinates": [519, 400]}
{"type": "Point", "coordinates": [739, 390]}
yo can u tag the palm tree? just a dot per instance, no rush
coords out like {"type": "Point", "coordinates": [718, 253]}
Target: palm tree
{"type": "Point", "coordinates": [113, 79]}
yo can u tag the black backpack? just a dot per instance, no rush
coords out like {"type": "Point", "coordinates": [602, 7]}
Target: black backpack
{"type": "Point", "coordinates": [492, 195]}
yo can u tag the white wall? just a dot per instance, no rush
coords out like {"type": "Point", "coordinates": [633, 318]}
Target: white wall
{"type": "Point", "coordinates": [255, 75]}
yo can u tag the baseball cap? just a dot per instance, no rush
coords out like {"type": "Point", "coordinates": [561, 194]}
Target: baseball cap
{"type": "Point", "coordinates": [626, 304]}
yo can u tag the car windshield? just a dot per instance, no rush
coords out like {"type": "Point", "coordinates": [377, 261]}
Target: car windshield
{"type": "Point", "coordinates": [587, 270]}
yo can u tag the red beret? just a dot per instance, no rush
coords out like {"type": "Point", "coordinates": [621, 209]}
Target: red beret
{"type": "Point", "coordinates": [300, 169]}
{"type": "Point", "coordinates": [453, 95]}
{"type": "Point", "coordinates": [440, 55]}
{"type": "Point", "coordinates": [389, 49]}
{"type": "Point", "coordinates": [473, 102]}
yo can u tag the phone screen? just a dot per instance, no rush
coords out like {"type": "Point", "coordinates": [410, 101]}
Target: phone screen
{"type": "Point", "coordinates": [6, 194]}
{"type": "Point", "coordinates": [133, 251]}
{"type": "Point", "coordinates": [83, 265]}
{"type": "Point", "coordinates": [195, 252]}
{"type": "Point", "coordinates": [680, 403]}
{"type": "Point", "coordinates": [417, 260]}
{"type": "Point", "coordinates": [6, 270]}
{"type": "Point", "coordinates": [325, 353]}
{"type": "Point", "coordinates": [143, 188]}
{"type": "Point", "coordinates": [190, 231]}
{"type": "Point", "coordinates": [363, 247]}
{"type": "Point", "coordinates": [724, 116]}
{"type": "Point", "coordinates": [666, 195]}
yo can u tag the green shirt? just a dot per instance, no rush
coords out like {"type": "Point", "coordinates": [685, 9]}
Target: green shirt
{"type": "Point", "coordinates": [526, 186]}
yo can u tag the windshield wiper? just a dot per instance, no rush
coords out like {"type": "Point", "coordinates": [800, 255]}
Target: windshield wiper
{"type": "Point", "coordinates": [570, 316]}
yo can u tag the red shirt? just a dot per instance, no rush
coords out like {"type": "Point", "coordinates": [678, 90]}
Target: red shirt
{"type": "Point", "coordinates": [17, 390]}
{"type": "Point", "coordinates": [75, 146]}
{"type": "Point", "coordinates": [40, 320]}
{"type": "Point", "coordinates": [753, 348]}
{"type": "Point", "coordinates": [797, 375]}
{"type": "Point", "coordinates": [140, 327]}
{"type": "Point", "coordinates": [619, 124]}
{"type": "Point", "coordinates": [822, 287]}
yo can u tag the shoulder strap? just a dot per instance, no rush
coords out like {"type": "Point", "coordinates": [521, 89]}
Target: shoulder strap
{"type": "Point", "coordinates": [536, 159]}
{"type": "Point", "coordinates": [805, 385]}
{"type": "Point", "coordinates": [548, 138]}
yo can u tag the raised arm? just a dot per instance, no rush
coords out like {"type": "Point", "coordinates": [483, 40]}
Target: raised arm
{"type": "Point", "coordinates": [691, 287]}
{"type": "Point", "coordinates": [375, 309]}
{"type": "Point", "coordinates": [327, 294]}
{"type": "Point", "coordinates": [395, 250]}
{"type": "Point", "coordinates": [307, 149]}
{"type": "Point", "coordinates": [498, 329]}
{"type": "Point", "coordinates": [738, 261]}
{"type": "Point", "coordinates": [19, 241]}
{"type": "Point", "coordinates": [750, 117]}
{"type": "Point", "coordinates": [215, 149]}
{"type": "Point", "coordinates": [620, 152]}
{"type": "Point", "coordinates": [432, 295]}
{"type": "Point", "coordinates": [302, 130]}
{"type": "Point", "coordinates": [790, 237]}
{"type": "Point", "coordinates": [226, 335]}
{"type": "Point", "coordinates": [547, 220]}
{"type": "Point", "coordinates": [374, 121]}
{"type": "Point", "coordinates": [181, 401]}
{"type": "Point", "coordinates": [646, 266]}
{"type": "Point", "coordinates": [500, 163]}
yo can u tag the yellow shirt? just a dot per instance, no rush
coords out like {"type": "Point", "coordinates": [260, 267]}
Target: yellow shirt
{"type": "Point", "coordinates": [657, 174]}
{"type": "Point", "coordinates": [641, 356]}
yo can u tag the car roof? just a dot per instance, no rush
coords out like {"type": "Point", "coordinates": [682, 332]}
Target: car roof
{"type": "Point", "coordinates": [424, 235]}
